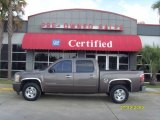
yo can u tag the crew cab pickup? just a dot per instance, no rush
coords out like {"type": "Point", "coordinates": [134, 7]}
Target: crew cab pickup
{"type": "Point", "coordinates": [78, 76]}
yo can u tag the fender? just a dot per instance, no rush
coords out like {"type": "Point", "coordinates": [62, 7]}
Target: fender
{"type": "Point", "coordinates": [37, 79]}
{"type": "Point", "coordinates": [119, 79]}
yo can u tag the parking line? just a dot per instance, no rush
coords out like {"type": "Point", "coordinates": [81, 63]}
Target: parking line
{"type": "Point", "coordinates": [6, 89]}
{"type": "Point", "coordinates": [153, 92]}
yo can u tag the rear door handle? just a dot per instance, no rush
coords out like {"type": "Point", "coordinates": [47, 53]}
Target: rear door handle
{"type": "Point", "coordinates": [68, 76]}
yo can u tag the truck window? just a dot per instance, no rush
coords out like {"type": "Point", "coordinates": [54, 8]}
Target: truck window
{"type": "Point", "coordinates": [84, 66]}
{"type": "Point", "coordinates": [62, 67]}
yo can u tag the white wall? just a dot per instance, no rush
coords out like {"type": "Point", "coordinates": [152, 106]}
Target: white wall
{"type": "Point", "coordinates": [150, 40]}
{"type": "Point", "coordinates": [17, 38]}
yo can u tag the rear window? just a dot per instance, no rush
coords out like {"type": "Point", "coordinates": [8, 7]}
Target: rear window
{"type": "Point", "coordinates": [84, 66]}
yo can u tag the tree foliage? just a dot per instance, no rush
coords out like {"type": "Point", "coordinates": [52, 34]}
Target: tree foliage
{"type": "Point", "coordinates": [151, 56]}
{"type": "Point", "coordinates": [17, 13]}
{"type": "Point", "coordinates": [156, 5]}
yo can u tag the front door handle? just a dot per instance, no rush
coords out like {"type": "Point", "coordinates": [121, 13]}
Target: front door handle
{"type": "Point", "coordinates": [68, 76]}
{"type": "Point", "coordinates": [92, 76]}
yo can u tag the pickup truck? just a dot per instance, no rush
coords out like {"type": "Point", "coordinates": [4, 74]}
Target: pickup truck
{"type": "Point", "coordinates": [78, 76]}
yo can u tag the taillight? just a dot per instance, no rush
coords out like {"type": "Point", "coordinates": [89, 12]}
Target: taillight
{"type": "Point", "coordinates": [142, 77]}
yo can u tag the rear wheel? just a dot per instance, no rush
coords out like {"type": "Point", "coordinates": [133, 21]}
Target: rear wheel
{"type": "Point", "coordinates": [119, 94]}
{"type": "Point", "coordinates": [31, 91]}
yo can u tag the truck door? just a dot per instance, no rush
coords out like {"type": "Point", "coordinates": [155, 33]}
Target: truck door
{"type": "Point", "coordinates": [85, 77]}
{"type": "Point", "coordinates": [59, 78]}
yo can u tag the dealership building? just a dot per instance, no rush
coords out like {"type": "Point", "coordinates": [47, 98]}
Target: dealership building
{"type": "Point", "coordinates": [112, 39]}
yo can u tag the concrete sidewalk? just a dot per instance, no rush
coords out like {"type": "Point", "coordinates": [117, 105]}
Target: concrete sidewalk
{"type": "Point", "coordinates": [153, 90]}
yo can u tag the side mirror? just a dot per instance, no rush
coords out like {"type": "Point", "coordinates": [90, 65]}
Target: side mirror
{"type": "Point", "coordinates": [51, 70]}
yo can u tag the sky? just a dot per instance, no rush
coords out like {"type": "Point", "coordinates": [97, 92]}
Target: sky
{"type": "Point", "coordinates": [138, 9]}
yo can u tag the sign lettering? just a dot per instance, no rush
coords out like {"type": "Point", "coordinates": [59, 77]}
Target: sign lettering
{"type": "Point", "coordinates": [90, 43]}
{"type": "Point", "coordinates": [84, 26]}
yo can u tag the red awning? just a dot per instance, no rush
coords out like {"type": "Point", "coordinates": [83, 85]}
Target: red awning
{"type": "Point", "coordinates": [96, 42]}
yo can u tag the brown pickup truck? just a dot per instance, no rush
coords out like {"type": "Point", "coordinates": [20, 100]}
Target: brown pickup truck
{"type": "Point", "coordinates": [78, 76]}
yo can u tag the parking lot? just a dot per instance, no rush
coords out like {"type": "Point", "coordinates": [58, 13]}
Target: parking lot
{"type": "Point", "coordinates": [79, 107]}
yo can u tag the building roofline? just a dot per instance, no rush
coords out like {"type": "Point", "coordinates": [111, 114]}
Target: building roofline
{"type": "Point", "coordinates": [83, 9]}
{"type": "Point", "coordinates": [149, 24]}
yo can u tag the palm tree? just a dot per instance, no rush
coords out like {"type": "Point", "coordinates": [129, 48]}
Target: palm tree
{"type": "Point", "coordinates": [11, 10]}
{"type": "Point", "coordinates": [151, 56]}
{"type": "Point", "coordinates": [16, 10]}
{"type": "Point", "coordinates": [156, 5]}
{"type": "Point", "coordinates": [10, 31]}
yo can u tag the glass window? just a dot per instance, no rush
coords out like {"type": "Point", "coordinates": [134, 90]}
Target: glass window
{"type": "Point", "coordinates": [73, 55]}
{"type": "Point", "coordinates": [112, 62]}
{"type": "Point", "coordinates": [53, 56]}
{"type": "Point", "coordinates": [81, 54]}
{"type": "Point", "coordinates": [147, 77]}
{"type": "Point", "coordinates": [84, 66]}
{"type": "Point", "coordinates": [145, 68]}
{"type": "Point", "coordinates": [139, 59]}
{"type": "Point", "coordinates": [102, 62]}
{"type": "Point", "coordinates": [18, 65]}
{"type": "Point", "coordinates": [19, 56]}
{"type": "Point", "coordinates": [123, 59]}
{"type": "Point", "coordinates": [4, 52]}
{"type": "Point", "coordinates": [90, 56]}
{"type": "Point", "coordinates": [40, 66]}
{"type": "Point", "coordinates": [123, 62]}
{"type": "Point", "coordinates": [18, 48]}
{"type": "Point", "coordinates": [3, 74]}
{"type": "Point", "coordinates": [63, 67]}
{"type": "Point", "coordinates": [41, 56]}
{"type": "Point", "coordinates": [69, 54]}
{"type": "Point", "coordinates": [3, 65]}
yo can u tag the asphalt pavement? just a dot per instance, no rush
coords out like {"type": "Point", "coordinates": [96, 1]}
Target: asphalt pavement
{"type": "Point", "coordinates": [140, 106]}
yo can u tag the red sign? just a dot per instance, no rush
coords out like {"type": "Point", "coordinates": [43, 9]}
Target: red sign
{"type": "Point", "coordinates": [82, 26]}
{"type": "Point", "coordinates": [91, 42]}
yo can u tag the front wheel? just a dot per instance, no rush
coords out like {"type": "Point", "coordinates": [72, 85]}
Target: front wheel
{"type": "Point", "coordinates": [31, 91]}
{"type": "Point", "coordinates": [119, 94]}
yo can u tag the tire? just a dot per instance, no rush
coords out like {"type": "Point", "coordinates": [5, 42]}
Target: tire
{"type": "Point", "coordinates": [108, 94]}
{"type": "Point", "coordinates": [119, 94]}
{"type": "Point", "coordinates": [31, 91]}
{"type": "Point", "coordinates": [43, 93]}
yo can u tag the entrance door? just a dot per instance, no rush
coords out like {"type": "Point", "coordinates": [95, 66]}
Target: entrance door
{"type": "Point", "coordinates": [102, 62]}
{"type": "Point", "coordinates": [113, 62]}
{"type": "Point", "coordinates": [108, 62]}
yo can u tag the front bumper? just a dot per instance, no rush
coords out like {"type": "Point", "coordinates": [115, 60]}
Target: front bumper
{"type": "Point", "coordinates": [16, 87]}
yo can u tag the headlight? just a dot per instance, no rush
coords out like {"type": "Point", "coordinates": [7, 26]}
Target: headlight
{"type": "Point", "coordinates": [17, 77]}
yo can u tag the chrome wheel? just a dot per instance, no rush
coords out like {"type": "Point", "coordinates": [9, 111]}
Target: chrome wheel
{"type": "Point", "coordinates": [31, 92]}
{"type": "Point", "coordinates": [119, 95]}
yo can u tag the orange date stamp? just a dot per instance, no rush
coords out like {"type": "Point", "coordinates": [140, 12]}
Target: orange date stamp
{"type": "Point", "coordinates": [132, 107]}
